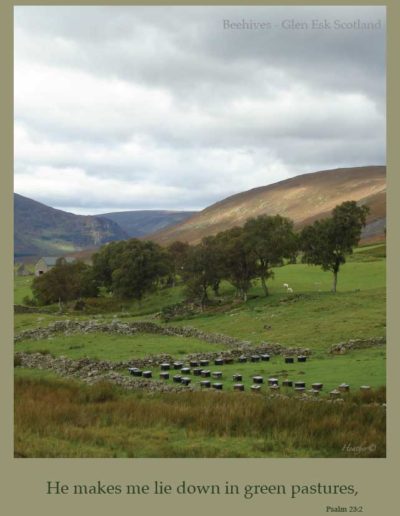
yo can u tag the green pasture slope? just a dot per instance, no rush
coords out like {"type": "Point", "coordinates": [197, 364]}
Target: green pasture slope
{"type": "Point", "coordinates": [311, 317]}
{"type": "Point", "coordinates": [314, 319]}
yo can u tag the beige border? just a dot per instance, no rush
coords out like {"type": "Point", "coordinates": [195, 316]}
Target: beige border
{"type": "Point", "coordinates": [23, 481]}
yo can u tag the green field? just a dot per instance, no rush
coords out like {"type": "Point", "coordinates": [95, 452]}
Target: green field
{"type": "Point", "coordinates": [311, 317]}
{"type": "Point", "coordinates": [361, 367]}
{"type": "Point", "coordinates": [102, 346]}
{"type": "Point", "coordinates": [310, 320]}
{"type": "Point", "coordinates": [22, 288]}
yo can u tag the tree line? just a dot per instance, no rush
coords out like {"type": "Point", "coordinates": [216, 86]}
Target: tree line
{"type": "Point", "coordinates": [132, 268]}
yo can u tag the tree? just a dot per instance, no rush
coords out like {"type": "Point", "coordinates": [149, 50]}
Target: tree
{"type": "Point", "coordinates": [105, 261]}
{"type": "Point", "coordinates": [138, 268]}
{"type": "Point", "coordinates": [328, 241]}
{"type": "Point", "coordinates": [130, 268]}
{"type": "Point", "coordinates": [272, 239]}
{"type": "Point", "coordinates": [240, 263]}
{"type": "Point", "coordinates": [202, 269]}
{"type": "Point", "coordinates": [178, 252]}
{"type": "Point", "coordinates": [64, 282]}
{"type": "Point", "coordinates": [216, 260]}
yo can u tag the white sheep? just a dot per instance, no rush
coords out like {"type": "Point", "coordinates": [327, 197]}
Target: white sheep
{"type": "Point", "coordinates": [285, 285]}
{"type": "Point", "coordinates": [289, 289]}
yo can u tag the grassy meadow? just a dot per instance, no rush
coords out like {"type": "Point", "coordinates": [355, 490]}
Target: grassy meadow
{"type": "Point", "coordinates": [359, 367]}
{"type": "Point", "coordinates": [66, 418]}
{"type": "Point", "coordinates": [103, 346]}
{"type": "Point", "coordinates": [354, 368]}
{"type": "Point", "coordinates": [55, 418]}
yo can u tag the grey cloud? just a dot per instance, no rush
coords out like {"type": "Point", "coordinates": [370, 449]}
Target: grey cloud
{"type": "Point", "coordinates": [188, 47]}
{"type": "Point", "coordinates": [293, 100]}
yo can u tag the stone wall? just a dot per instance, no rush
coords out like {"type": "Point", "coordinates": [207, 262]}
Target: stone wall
{"type": "Point", "coordinates": [344, 347]}
{"type": "Point", "coordinates": [249, 349]}
{"type": "Point", "coordinates": [22, 309]}
{"type": "Point", "coordinates": [93, 371]}
{"type": "Point", "coordinates": [234, 347]}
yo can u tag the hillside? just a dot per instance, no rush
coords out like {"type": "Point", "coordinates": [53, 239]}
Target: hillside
{"type": "Point", "coordinates": [41, 230]}
{"type": "Point", "coordinates": [143, 222]}
{"type": "Point", "coordinates": [303, 198]}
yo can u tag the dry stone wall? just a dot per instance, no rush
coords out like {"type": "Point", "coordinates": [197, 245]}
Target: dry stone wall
{"type": "Point", "coordinates": [344, 347]}
{"type": "Point", "coordinates": [235, 346]}
{"type": "Point", "coordinates": [93, 371]}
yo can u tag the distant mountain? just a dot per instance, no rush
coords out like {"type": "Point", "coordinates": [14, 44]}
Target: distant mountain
{"type": "Point", "coordinates": [41, 230]}
{"type": "Point", "coordinates": [303, 198]}
{"type": "Point", "coordinates": [142, 223]}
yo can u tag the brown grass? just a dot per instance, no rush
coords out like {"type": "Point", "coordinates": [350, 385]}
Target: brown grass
{"type": "Point", "coordinates": [56, 418]}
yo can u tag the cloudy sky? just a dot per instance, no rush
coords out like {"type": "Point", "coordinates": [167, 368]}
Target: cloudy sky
{"type": "Point", "coordinates": [120, 108]}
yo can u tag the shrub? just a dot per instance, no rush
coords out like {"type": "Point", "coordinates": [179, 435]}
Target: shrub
{"type": "Point", "coordinates": [177, 311]}
{"type": "Point", "coordinates": [28, 301]}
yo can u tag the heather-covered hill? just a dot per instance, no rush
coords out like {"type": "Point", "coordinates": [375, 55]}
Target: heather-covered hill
{"type": "Point", "coordinates": [302, 198]}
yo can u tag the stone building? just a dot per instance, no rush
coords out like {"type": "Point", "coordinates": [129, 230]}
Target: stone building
{"type": "Point", "coordinates": [46, 263]}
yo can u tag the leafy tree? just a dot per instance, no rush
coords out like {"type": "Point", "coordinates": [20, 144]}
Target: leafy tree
{"type": "Point", "coordinates": [328, 241]}
{"type": "Point", "coordinates": [272, 239]}
{"type": "Point", "coordinates": [105, 261]}
{"type": "Point", "coordinates": [64, 282]}
{"type": "Point", "coordinates": [178, 253]}
{"type": "Point", "coordinates": [240, 262]}
{"type": "Point", "coordinates": [138, 268]}
{"type": "Point", "coordinates": [202, 269]}
{"type": "Point", "coordinates": [195, 274]}
{"type": "Point", "coordinates": [216, 260]}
